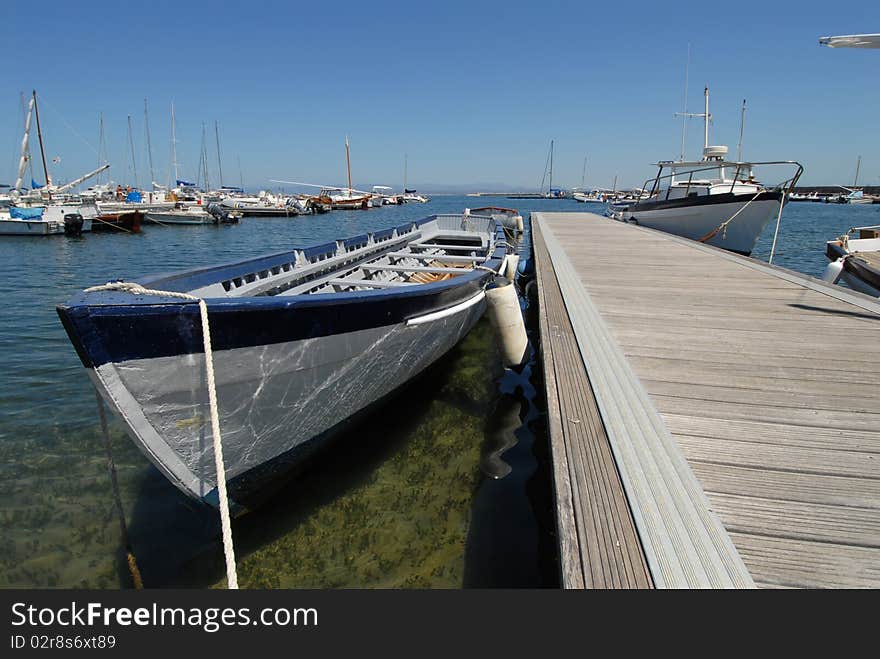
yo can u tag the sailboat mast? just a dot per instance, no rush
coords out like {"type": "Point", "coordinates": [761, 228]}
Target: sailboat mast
{"type": "Point", "coordinates": [174, 147]}
{"type": "Point", "coordinates": [40, 137]}
{"type": "Point", "coordinates": [102, 145]}
{"type": "Point", "coordinates": [858, 165]}
{"type": "Point", "coordinates": [219, 160]}
{"type": "Point", "coordinates": [706, 118]}
{"type": "Point", "coordinates": [348, 164]}
{"type": "Point", "coordinates": [133, 161]}
{"type": "Point", "coordinates": [584, 173]}
{"type": "Point", "coordinates": [404, 173]}
{"type": "Point", "coordinates": [22, 163]}
{"type": "Point", "coordinates": [240, 175]}
{"type": "Point", "coordinates": [205, 157]}
{"type": "Point", "coordinates": [149, 146]}
{"type": "Point", "coordinates": [550, 185]}
{"type": "Point", "coordinates": [742, 121]}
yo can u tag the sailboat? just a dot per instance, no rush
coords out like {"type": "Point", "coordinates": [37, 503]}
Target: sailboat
{"type": "Point", "coordinates": [714, 200]}
{"type": "Point", "coordinates": [347, 198]}
{"type": "Point", "coordinates": [35, 213]}
{"type": "Point", "coordinates": [410, 196]}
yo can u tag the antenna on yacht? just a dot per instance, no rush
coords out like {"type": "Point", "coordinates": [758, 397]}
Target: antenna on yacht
{"type": "Point", "coordinates": [742, 121]}
{"type": "Point", "coordinates": [684, 114]}
{"type": "Point", "coordinates": [704, 115]}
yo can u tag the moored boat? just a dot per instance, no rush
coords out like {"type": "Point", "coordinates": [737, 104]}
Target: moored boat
{"type": "Point", "coordinates": [714, 200]}
{"type": "Point", "coordinates": [856, 260]}
{"type": "Point", "coordinates": [302, 340]}
{"type": "Point", "coordinates": [510, 218]}
{"type": "Point", "coordinates": [126, 221]}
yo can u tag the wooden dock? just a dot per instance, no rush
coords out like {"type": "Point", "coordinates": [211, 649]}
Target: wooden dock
{"type": "Point", "coordinates": [714, 421]}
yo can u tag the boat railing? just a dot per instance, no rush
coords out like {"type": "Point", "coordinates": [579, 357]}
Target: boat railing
{"type": "Point", "coordinates": [786, 185]}
{"type": "Point", "coordinates": [459, 222]}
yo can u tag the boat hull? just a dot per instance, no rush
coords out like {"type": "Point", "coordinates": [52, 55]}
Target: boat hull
{"type": "Point", "coordinates": [304, 388]}
{"type": "Point", "coordinates": [30, 227]}
{"type": "Point", "coordinates": [179, 218]}
{"type": "Point", "coordinates": [698, 220]}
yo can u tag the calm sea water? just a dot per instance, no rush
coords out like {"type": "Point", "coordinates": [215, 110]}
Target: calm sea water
{"type": "Point", "coordinates": [445, 486]}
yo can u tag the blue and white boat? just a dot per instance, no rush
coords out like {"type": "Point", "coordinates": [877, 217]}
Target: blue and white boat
{"type": "Point", "coordinates": [302, 341]}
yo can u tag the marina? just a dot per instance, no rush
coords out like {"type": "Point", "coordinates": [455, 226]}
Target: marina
{"type": "Point", "coordinates": [320, 374]}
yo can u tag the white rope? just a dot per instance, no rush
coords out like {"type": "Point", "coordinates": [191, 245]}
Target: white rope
{"type": "Point", "coordinates": [723, 226]}
{"type": "Point", "coordinates": [228, 549]}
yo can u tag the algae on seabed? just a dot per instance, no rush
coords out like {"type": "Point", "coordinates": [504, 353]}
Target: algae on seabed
{"type": "Point", "coordinates": [404, 523]}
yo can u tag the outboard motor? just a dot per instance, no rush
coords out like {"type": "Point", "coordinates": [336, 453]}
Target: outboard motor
{"type": "Point", "coordinates": [220, 214]}
{"type": "Point", "coordinates": [73, 224]}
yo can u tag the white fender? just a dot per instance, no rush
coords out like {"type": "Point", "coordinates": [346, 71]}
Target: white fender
{"type": "Point", "coordinates": [519, 223]}
{"type": "Point", "coordinates": [833, 271]}
{"type": "Point", "coordinates": [510, 268]}
{"type": "Point", "coordinates": [506, 317]}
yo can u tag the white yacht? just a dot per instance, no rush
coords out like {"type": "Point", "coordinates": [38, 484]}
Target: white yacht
{"type": "Point", "coordinates": [714, 200]}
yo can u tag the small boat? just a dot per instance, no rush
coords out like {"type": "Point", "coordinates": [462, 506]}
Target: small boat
{"type": "Point", "coordinates": [190, 215]}
{"type": "Point", "coordinates": [55, 219]}
{"type": "Point", "coordinates": [129, 221]}
{"type": "Point", "coordinates": [302, 341]}
{"type": "Point", "coordinates": [855, 260]}
{"type": "Point", "coordinates": [509, 217]}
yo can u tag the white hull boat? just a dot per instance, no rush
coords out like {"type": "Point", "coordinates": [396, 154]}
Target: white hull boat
{"type": "Point", "coordinates": [302, 342]}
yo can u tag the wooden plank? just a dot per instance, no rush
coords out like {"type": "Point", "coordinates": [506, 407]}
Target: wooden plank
{"type": "Point", "coordinates": [773, 456]}
{"type": "Point", "coordinates": [781, 434]}
{"type": "Point", "coordinates": [805, 564]}
{"type": "Point", "coordinates": [840, 491]}
{"type": "Point", "coordinates": [798, 520]}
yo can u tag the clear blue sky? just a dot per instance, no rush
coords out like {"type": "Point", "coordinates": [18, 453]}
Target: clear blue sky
{"type": "Point", "coordinates": [471, 91]}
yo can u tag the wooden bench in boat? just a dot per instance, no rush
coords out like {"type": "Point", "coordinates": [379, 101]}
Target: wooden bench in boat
{"type": "Point", "coordinates": [416, 268]}
{"type": "Point", "coordinates": [438, 257]}
{"type": "Point", "coordinates": [372, 283]}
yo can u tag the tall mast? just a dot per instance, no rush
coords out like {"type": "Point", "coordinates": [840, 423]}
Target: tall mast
{"type": "Point", "coordinates": [584, 173]}
{"type": "Point", "coordinates": [133, 161]}
{"type": "Point", "coordinates": [550, 185]}
{"type": "Point", "coordinates": [348, 164]}
{"type": "Point", "coordinates": [219, 160]}
{"type": "Point", "coordinates": [858, 165]}
{"type": "Point", "coordinates": [42, 150]}
{"type": "Point", "coordinates": [742, 121]}
{"type": "Point", "coordinates": [149, 146]}
{"type": "Point", "coordinates": [240, 175]}
{"type": "Point", "coordinates": [102, 145]}
{"type": "Point", "coordinates": [706, 117]}
{"type": "Point", "coordinates": [174, 147]}
{"type": "Point", "coordinates": [22, 163]}
{"type": "Point", "coordinates": [684, 114]}
{"type": "Point", "coordinates": [404, 172]}
{"type": "Point", "coordinates": [204, 157]}
{"type": "Point", "coordinates": [615, 184]}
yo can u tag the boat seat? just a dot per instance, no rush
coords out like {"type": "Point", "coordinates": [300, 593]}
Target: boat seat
{"type": "Point", "coordinates": [416, 268]}
{"type": "Point", "coordinates": [431, 257]}
{"type": "Point", "coordinates": [371, 283]}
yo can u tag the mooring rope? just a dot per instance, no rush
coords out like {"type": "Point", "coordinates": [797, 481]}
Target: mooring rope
{"type": "Point", "coordinates": [723, 225]}
{"type": "Point", "coordinates": [137, 289]}
{"type": "Point", "coordinates": [117, 498]}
